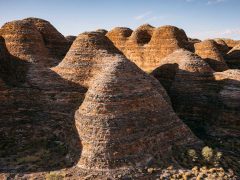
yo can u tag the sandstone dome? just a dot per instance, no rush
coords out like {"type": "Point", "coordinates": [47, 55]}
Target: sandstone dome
{"type": "Point", "coordinates": [24, 41]}
{"type": "Point", "coordinates": [54, 41]}
{"type": "Point", "coordinates": [209, 52]}
{"type": "Point", "coordinates": [83, 59]}
{"type": "Point", "coordinates": [185, 77]}
{"type": "Point", "coordinates": [124, 122]}
{"type": "Point", "coordinates": [147, 46]}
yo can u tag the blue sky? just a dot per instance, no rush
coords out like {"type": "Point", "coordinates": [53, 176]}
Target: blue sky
{"type": "Point", "coordinates": [199, 18]}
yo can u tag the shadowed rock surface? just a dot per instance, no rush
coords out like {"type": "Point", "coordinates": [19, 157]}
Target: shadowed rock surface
{"type": "Point", "coordinates": [125, 123]}
{"type": "Point", "coordinates": [147, 46]}
{"type": "Point", "coordinates": [233, 57]}
{"type": "Point", "coordinates": [230, 42]}
{"type": "Point", "coordinates": [37, 125]}
{"type": "Point", "coordinates": [185, 77]}
{"type": "Point", "coordinates": [222, 47]}
{"type": "Point", "coordinates": [209, 52]}
{"type": "Point", "coordinates": [70, 39]}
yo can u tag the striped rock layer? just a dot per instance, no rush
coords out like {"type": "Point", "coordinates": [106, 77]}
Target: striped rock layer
{"type": "Point", "coordinates": [34, 40]}
{"type": "Point", "coordinates": [208, 50]}
{"type": "Point", "coordinates": [185, 76]}
{"type": "Point", "coordinates": [147, 46]}
{"type": "Point", "coordinates": [124, 122]}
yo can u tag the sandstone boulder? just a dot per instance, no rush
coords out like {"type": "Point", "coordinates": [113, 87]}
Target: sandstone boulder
{"type": "Point", "coordinates": [209, 52]}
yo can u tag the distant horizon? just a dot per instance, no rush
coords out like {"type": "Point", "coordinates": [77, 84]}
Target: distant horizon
{"type": "Point", "coordinates": [201, 19]}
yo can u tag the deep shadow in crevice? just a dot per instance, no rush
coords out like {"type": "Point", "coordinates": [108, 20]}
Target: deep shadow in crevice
{"type": "Point", "coordinates": [37, 110]}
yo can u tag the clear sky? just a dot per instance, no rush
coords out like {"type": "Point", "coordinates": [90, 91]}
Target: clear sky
{"type": "Point", "coordinates": [199, 18]}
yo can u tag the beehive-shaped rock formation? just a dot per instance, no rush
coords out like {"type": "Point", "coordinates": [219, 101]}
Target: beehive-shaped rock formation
{"type": "Point", "coordinates": [35, 41]}
{"type": "Point", "coordinates": [233, 57]}
{"type": "Point", "coordinates": [54, 41]}
{"type": "Point", "coordinates": [185, 77]}
{"type": "Point", "coordinates": [227, 113]}
{"type": "Point", "coordinates": [35, 103]}
{"type": "Point", "coordinates": [25, 42]}
{"type": "Point", "coordinates": [209, 52]}
{"type": "Point", "coordinates": [146, 46]}
{"type": "Point", "coordinates": [124, 122]}
{"type": "Point", "coordinates": [86, 51]}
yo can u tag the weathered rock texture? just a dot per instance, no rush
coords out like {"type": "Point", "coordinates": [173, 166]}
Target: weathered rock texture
{"type": "Point", "coordinates": [35, 41]}
{"type": "Point", "coordinates": [231, 43]}
{"type": "Point", "coordinates": [125, 122]}
{"type": "Point", "coordinates": [54, 41]}
{"type": "Point", "coordinates": [205, 100]}
{"type": "Point", "coordinates": [37, 125]}
{"type": "Point", "coordinates": [185, 77]}
{"type": "Point", "coordinates": [70, 39]}
{"type": "Point", "coordinates": [209, 52]}
{"type": "Point", "coordinates": [222, 46]}
{"type": "Point", "coordinates": [147, 46]}
{"type": "Point", "coordinates": [227, 109]}
{"type": "Point", "coordinates": [233, 57]}
{"type": "Point", "coordinates": [84, 59]}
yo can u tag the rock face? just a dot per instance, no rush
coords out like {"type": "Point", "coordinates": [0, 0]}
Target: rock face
{"type": "Point", "coordinates": [54, 41]}
{"type": "Point", "coordinates": [35, 41]}
{"type": "Point", "coordinates": [231, 43]}
{"type": "Point", "coordinates": [37, 107]}
{"type": "Point", "coordinates": [222, 46]}
{"type": "Point", "coordinates": [209, 52]}
{"type": "Point", "coordinates": [70, 39]}
{"type": "Point", "coordinates": [208, 102]}
{"type": "Point", "coordinates": [227, 114]}
{"type": "Point", "coordinates": [185, 77]}
{"type": "Point", "coordinates": [124, 122]}
{"type": "Point", "coordinates": [147, 46]}
{"type": "Point", "coordinates": [83, 60]}
{"type": "Point", "coordinates": [233, 57]}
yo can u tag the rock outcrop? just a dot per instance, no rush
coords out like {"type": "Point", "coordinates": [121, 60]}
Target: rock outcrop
{"type": "Point", "coordinates": [209, 52]}
{"type": "Point", "coordinates": [231, 43]}
{"type": "Point", "coordinates": [147, 46]}
{"type": "Point", "coordinates": [185, 77]}
{"type": "Point", "coordinates": [233, 57]}
{"type": "Point", "coordinates": [84, 58]}
{"type": "Point", "coordinates": [222, 46]}
{"type": "Point", "coordinates": [226, 116]}
{"type": "Point", "coordinates": [54, 41]}
{"type": "Point", "coordinates": [206, 100]}
{"type": "Point", "coordinates": [125, 123]}
{"type": "Point", "coordinates": [25, 42]}
{"type": "Point", "coordinates": [35, 41]}
{"type": "Point", "coordinates": [37, 124]}
{"type": "Point", "coordinates": [70, 39]}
